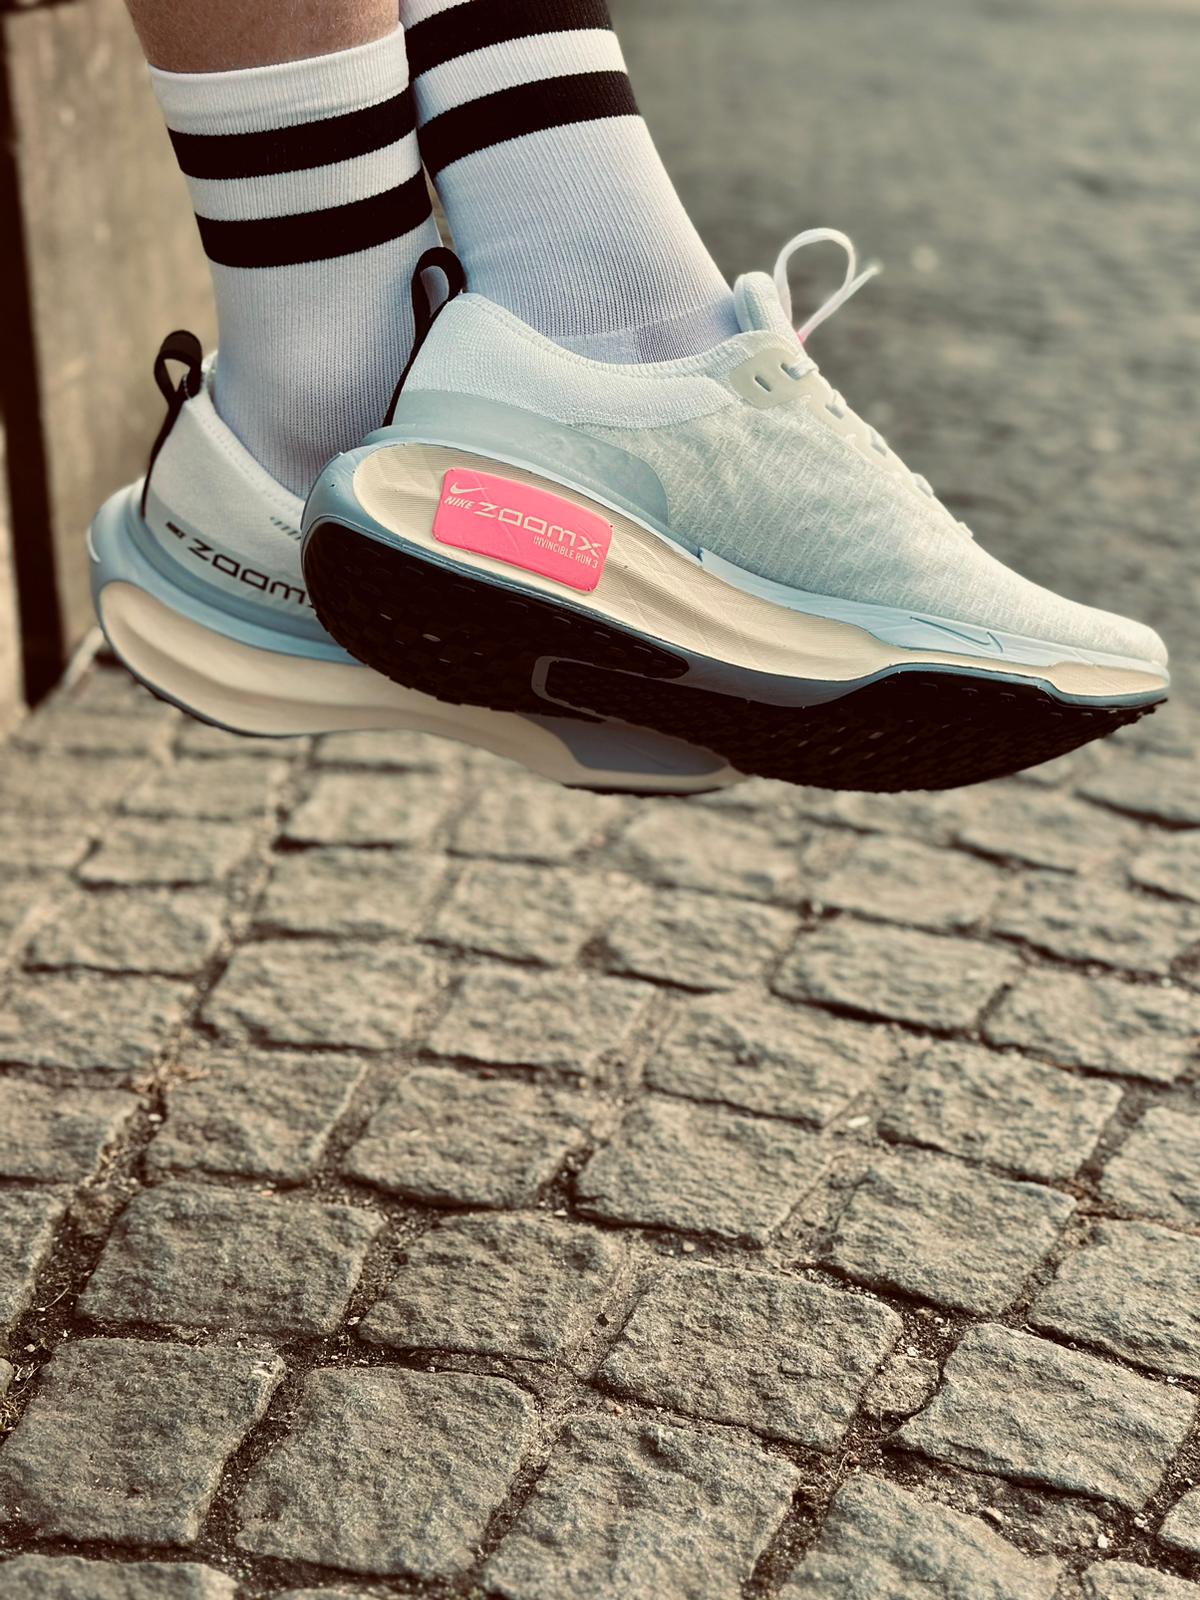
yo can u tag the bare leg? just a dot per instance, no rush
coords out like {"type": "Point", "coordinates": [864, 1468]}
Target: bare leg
{"type": "Point", "coordinates": [221, 35]}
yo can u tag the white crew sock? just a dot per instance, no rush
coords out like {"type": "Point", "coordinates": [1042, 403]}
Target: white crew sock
{"type": "Point", "coordinates": [558, 202]}
{"type": "Point", "coordinates": [313, 210]}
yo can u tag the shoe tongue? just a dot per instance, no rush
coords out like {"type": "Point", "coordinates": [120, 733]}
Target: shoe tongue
{"type": "Point", "coordinates": [756, 301]}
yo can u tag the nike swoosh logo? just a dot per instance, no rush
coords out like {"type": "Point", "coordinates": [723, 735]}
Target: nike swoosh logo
{"type": "Point", "coordinates": [988, 642]}
{"type": "Point", "coordinates": [462, 488]}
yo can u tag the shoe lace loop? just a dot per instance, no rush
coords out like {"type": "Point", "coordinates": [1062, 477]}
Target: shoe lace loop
{"type": "Point", "coordinates": [851, 283]}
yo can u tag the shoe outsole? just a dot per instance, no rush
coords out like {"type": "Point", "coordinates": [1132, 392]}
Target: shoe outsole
{"type": "Point", "coordinates": [475, 641]}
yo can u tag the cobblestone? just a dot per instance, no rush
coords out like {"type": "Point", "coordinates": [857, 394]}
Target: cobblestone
{"type": "Point", "coordinates": [783, 1061]}
{"type": "Point", "coordinates": [784, 1356]}
{"type": "Point", "coordinates": [63, 788]}
{"type": "Point", "coordinates": [1161, 788]}
{"type": "Point", "coordinates": [537, 822]}
{"type": "Point", "coordinates": [66, 729]}
{"type": "Point", "coordinates": [1086, 919]}
{"type": "Point", "coordinates": [504, 1017]}
{"type": "Point", "coordinates": [388, 1472]}
{"type": "Point", "coordinates": [450, 1139]}
{"type": "Point", "coordinates": [895, 974]}
{"type": "Point", "coordinates": [1130, 1291]}
{"type": "Point", "coordinates": [1038, 1121]}
{"type": "Point", "coordinates": [108, 688]}
{"type": "Point", "coordinates": [84, 1021]}
{"type": "Point", "coordinates": [354, 996]}
{"type": "Point", "coordinates": [880, 1542]}
{"type": "Point", "coordinates": [349, 894]}
{"type": "Point", "coordinates": [24, 903]}
{"type": "Point", "coordinates": [675, 1165]}
{"type": "Point", "coordinates": [367, 808]}
{"type": "Point", "coordinates": [903, 1386]}
{"type": "Point", "coordinates": [72, 1578]}
{"type": "Point", "coordinates": [695, 1514]}
{"type": "Point", "coordinates": [526, 1286]}
{"type": "Point", "coordinates": [1181, 1526]}
{"type": "Point", "coordinates": [39, 844]}
{"type": "Point", "coordinates": [57, 1135]}
{"type": "Point", "coordinates": [200, 1258]}
{"type": "Point", "coordinates": [917, 813]}
{"type": "Point", "coordinates": [549, 912]}
{"type": "Point", "coordinates": [138, 850]}
{"type": "Point", "coordinates": [391, 749]}
{"type": "Point", "coordinates": [903, 881]}
{"type": "Point", "coordinates": [1020, 823]}
{"type": "Point", "coordinates": [939, 1230]}
{"type": "Point", "coordinates": [321, 1594]}
{"type": "Point", "coordinates": [264, 1114]}
{"type": "Point", "coordinates": [1141, 1030]}
{"type": "Point", "coordinates": [237, 789]}
{"type": "Point", "coordinates": [28, 1219]}
{"type": "Point", "coordinates": [126, 1441]}
{"type": "Point", "coordinates": [670, 843]}
{"type": "Point", "coordinates": [684, 937]}
{"type": "Point", "coordinates": [1121, 1580]}
{"type": "Point", "coordinates": [1015, 1405]}
{"type": "Point", "coordinates": [1171, 867]}
{"type": "Point", "coordinates": [170, 933]}
{"type": "Point", "coordinates": [1156, 1173]}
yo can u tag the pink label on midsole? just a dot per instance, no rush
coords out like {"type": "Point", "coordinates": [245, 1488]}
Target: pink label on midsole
{"type": "Point", "coordinates": [524, 526]}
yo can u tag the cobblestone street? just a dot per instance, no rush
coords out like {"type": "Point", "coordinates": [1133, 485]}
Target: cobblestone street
{"type": "Point", "coordinates": [418, 1180]}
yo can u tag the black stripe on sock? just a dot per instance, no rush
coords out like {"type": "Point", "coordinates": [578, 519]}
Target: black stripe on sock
{"type": "Point", "coordinates": [309, 144]}
{"type": "Point", "coordinates": [526, 108]}
{"type": "Point", "coordinates": [318, 235]}
{"type": "Point", "coordinates": [465, 28]}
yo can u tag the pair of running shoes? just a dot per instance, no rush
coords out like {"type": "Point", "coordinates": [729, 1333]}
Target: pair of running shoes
{"type": "Point", "coordinates": [653, 578]}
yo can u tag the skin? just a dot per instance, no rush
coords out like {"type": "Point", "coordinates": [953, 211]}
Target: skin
{"type": "Point", "coordinates": [222, 35]}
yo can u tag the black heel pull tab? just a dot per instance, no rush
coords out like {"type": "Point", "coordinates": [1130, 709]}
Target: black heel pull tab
{"type": "Point", "coordinates": [425, 312]}
{"type": "Point", "coordinates": [180, 348]}
{"type": "Point", "coordinates": [184, 349]}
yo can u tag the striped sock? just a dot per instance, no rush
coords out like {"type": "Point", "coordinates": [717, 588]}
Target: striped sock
{"type": "Point", "coordinates": [559, 204]}
{"type": "Point", "coordinates": [313, 210]}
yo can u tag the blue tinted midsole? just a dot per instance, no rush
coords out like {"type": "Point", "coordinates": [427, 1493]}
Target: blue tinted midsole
{"type": "Point", "coordinates": [123, 550]}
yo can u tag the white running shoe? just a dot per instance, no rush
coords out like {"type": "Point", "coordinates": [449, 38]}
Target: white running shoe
{"type": "Point", "coordinates": [717, 548]}
{"type": "Point", "coordinates": [197, 584]}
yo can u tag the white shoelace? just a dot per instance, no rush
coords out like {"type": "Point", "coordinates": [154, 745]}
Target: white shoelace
{"type": "Point", "coordinates": [851, 284]}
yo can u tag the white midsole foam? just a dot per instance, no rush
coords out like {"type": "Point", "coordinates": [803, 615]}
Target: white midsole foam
{"type": "Point", "coordinates": [709, 609]}
{"type": "Point", "coordinates": [262, 692]}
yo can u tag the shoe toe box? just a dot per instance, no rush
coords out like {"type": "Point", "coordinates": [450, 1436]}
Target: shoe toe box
{"type": "Point", "coordinates": [1007, 601]}
{"type": "Point", "coordinates": [1125, 637]}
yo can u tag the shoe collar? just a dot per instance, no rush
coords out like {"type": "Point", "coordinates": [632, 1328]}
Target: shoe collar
{"type": "Point", "coordinates": [762, 306]}
{"type": "Point", "coordinates": [758, 307]}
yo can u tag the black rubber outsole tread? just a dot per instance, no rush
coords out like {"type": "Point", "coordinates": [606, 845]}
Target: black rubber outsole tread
{"type": "Point", "coordinates": [468, 641]}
